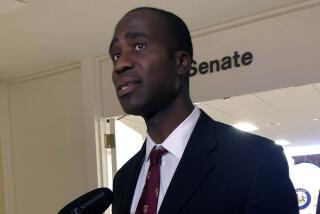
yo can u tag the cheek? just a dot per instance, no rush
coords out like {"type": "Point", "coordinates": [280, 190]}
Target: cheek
{"type": "Point", "coordinates": [163, 85]}
{"type": "Point", "coordinates": [160, 74]}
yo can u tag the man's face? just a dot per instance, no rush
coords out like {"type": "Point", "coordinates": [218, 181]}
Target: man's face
{"type": "Point", "coordinates": [144, 75]}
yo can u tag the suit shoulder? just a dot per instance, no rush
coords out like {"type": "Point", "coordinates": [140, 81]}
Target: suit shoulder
{"type": "Point", "coordinates": [228, 133]}
{"type": "Point", "coordinates": [228, 136]}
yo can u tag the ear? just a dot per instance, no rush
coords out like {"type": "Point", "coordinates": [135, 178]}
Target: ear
{"type": "Point", "coordinates": [183, 62]}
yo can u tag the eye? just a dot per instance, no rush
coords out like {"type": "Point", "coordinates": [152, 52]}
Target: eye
{"type": "Point", "coordinates": [139, 46]}
{"type": "Point", "coordinates": [115, 57]}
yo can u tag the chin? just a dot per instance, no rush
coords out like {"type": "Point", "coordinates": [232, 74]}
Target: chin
{"type": "Point", "coordinates": [137, 108]}
{"type": "Point", "coordinates": [134, 110]}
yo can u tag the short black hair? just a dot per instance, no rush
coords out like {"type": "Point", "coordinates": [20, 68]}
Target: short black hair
{"type": "Point", "coordinates": [178, 31]}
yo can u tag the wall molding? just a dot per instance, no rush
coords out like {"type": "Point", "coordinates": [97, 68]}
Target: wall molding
{"type": "Point", "coordinates": [101, 128]}
{"type": "Point", "coordinates": [46, 72]}
{"type": "Point", "coordinates": [255, 18]}
{"type": "Point", "coordinates": [7, 152]}
{"type": "Point", "coordinates": [94, 123]}
{"type": "Point", "coordinates": [101, 58]}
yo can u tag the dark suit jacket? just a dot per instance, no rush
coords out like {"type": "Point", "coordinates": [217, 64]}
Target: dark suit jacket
{"type": "Point", "coordinates": [222, 171]}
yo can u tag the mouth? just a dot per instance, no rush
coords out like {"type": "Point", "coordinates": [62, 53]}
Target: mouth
{"type": "Point", "coordinates": [127, 88]}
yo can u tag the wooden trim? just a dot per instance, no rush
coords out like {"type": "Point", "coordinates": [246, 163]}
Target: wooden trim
{"type": "Point", "coordinates": [7, 152]}
{"type": "Point", "coordinates": [94, 123]}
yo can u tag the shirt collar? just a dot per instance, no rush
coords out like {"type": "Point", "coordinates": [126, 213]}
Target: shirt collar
{"type": "Point", "coordinates": [177, 141]}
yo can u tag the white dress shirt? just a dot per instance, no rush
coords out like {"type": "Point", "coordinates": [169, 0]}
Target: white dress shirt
{"type": "Point", "coordinates": [175, 144]}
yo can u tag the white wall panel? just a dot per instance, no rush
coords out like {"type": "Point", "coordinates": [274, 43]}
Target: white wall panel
{"type": "Point", "coordinates": [285, 50]}
{"type": "Point", "coordinates": [49, 152]}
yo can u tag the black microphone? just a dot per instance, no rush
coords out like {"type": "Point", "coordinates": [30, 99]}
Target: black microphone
{"type": "Point", "coordinates": [93, 202]}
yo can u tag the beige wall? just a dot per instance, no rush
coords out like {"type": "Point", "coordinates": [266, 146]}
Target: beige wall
{"type": "Point", "coordinates": [49, 153]}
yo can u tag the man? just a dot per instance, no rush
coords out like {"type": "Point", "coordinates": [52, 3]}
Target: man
{"type": "Point", "coordinates": [205, 166]}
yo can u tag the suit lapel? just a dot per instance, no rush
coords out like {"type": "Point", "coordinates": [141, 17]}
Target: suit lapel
{"type": "Point", "coordinates": [196, 162]}
{"type": "Point", "coordinates": [132, 179]}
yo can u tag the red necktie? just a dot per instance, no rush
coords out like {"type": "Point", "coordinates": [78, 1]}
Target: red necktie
{"type": "Point", "coordinates": [149, 197]}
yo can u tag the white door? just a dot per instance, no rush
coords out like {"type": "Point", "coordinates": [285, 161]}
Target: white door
{"type": "Point", "coordinates": [127, 136]}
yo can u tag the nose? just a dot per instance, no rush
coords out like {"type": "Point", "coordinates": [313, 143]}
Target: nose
{"type": "Point", "coordinates": [124, 63]}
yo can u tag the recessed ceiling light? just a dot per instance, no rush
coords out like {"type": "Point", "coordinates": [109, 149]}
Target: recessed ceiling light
{"type": "Point", "coordinates": [244, 126]}
{"type": "Point", "coordinates": [282, 142]}
{"type": "Point", "coordinates": [315, 119]}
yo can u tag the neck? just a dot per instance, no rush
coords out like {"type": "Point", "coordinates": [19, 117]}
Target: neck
{"type": "Point", "coordinates": [164, 122]}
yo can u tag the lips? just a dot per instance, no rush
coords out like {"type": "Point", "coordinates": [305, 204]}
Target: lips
{"type": "Point", "coordinates": [127, 87]}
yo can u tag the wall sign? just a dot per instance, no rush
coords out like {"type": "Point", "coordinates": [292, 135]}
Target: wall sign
{"type": "Point", "coordinates": [216, 65]}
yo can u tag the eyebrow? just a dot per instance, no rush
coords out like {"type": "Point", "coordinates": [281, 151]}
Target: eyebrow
{"type": "Point", "coordinates": [130, 35]}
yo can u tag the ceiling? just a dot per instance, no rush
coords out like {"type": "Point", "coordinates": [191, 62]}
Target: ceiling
{"type": "Point", "coordinates": [46, 33]}
{"type": "Point", "coordinates": [291, 113]}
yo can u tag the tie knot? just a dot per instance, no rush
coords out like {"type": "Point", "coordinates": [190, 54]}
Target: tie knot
{"type": "Point", "coordinates": [156, 154]}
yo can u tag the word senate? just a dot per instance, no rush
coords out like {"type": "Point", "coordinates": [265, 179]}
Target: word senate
{"type": "Point", "coordinates": [227, 62]}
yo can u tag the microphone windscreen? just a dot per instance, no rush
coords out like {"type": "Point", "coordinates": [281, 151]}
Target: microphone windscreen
{"type": "Point", "coordinates": [93, 202]}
